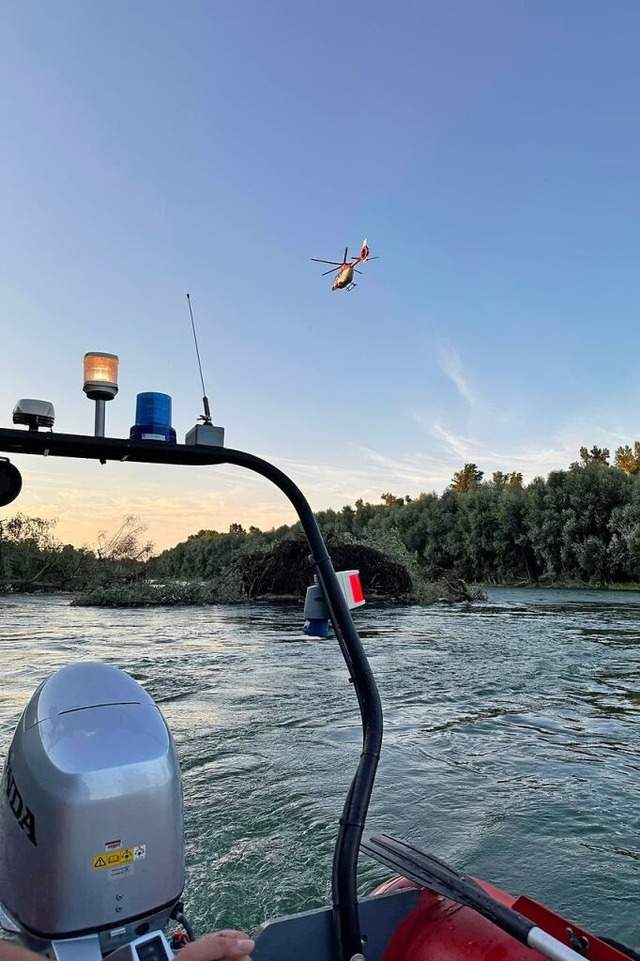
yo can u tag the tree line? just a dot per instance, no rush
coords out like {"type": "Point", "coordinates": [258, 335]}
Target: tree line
{"type": "Point", "coordinates": [576, 526]}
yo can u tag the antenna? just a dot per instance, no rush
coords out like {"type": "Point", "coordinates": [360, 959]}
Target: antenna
{"type": "Point", "coordinates": [206, 417]}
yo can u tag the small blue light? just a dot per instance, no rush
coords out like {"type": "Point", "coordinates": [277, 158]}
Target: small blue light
{"type": "Point", "coordinates": [153, 418]}
{"type": "Point", "coordinates": [316, 627]}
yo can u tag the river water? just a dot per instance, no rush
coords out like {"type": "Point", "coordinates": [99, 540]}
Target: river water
{"type": "Point", "coordinates": [510, 750]}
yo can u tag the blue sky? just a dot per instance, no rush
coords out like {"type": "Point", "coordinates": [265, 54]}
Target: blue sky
{"type": "Point", "coordinates": [489, 151]}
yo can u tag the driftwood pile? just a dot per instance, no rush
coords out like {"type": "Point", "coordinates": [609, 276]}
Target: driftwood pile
{"type": "Point", "coordinates": [451, 587]}
{"type": "Point", "coordinates": [285, 571]}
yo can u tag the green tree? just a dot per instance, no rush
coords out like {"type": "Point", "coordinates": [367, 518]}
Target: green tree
{"type": "Point", "coordinates": [628, 460]}
{"type": "Point", "coordinates": [624, 547]}
{"type": "Point", "coordinates": [507, 481]}
{"type": "Point", "coordinates": [35, 531]}
{"type": "Point", "coordinates": [478, 524]}
{"type": "Point", "coordinates": [544, 519]}
{"type": "Point", "coordinates": [570, 517]}
{"type": "Point", "coordinates": [515, 560]}
{"type": "Point", "coordinates": [444, 542]}
{"type": "Point", "coordinates": [31, 558]}
{"type": "Point", "coordinates": [597, 455]}
{"type": "Point", "coordinates": [466, 479]}
{"type": "Point", "coordinates": [391, 499]}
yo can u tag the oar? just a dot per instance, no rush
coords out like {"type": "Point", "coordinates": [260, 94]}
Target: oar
{"type": "Point", "coordinates": [431, 873]}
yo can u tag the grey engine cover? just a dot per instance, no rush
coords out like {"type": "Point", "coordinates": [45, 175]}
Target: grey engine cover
{"type": "Point", "coordinates": [91, 813]}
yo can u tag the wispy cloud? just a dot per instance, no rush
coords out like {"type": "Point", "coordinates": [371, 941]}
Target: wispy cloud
{"type": "Point", "coordinates": [463, 447]}
{"type": "Point", "coordinates": [557, 453]}
{"type": "Point", "coordinates": [451, 365]}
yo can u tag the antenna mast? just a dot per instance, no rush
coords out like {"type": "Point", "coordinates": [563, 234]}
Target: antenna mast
{"type": "Point", "coordinates": [206, 417]}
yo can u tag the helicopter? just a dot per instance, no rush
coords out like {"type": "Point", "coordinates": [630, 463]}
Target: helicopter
{"type": "Point", "coordinates": [346, 267]}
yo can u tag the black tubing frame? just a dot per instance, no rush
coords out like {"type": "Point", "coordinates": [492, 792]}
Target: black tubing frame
{"type": "Point", "coordinates": [351, 825]}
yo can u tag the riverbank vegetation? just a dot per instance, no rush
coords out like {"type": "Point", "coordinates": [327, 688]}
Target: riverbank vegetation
{"type": "Point", "coordinates": [577, 527]}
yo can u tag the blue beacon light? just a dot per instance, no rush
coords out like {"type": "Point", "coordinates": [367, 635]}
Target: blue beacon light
{"type": "Point", "coordinates": [153, 418]}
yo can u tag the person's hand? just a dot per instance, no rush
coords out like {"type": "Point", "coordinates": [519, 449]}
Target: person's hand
{"type": "Point", "coordinates": [226, 945]}
{"type": "Point", "coordinates": [10, 951]}
{"type": "Point", "coordinates": [221, 946]}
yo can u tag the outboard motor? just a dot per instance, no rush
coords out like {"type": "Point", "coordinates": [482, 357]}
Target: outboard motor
{"type": "Point", "coordinates": [91, 819]}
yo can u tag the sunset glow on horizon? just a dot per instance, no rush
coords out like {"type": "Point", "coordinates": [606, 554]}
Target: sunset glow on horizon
{"type": "Point", "coordinates": [488, 158]}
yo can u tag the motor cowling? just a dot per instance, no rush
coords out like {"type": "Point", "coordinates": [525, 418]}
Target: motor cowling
{"type": "Point", "coordinates": [91, 812]}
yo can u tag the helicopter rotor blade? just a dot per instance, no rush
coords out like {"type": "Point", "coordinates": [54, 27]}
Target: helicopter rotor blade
{"type": "Point", "coordinates": [346, 249]}
{"type": "Point", "coordinates": [331, 271]}
{"type": "Point", "coordinates": [336, 262]}
{"type": "Point", "coordinates": [357, 271]}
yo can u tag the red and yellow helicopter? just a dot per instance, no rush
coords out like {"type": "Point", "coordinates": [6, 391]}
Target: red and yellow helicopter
{"type": "Point", "coordinates": [346, 268]}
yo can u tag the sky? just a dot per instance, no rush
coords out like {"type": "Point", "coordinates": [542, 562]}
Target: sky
{"type": "Point", "coordinates": [489, 152]}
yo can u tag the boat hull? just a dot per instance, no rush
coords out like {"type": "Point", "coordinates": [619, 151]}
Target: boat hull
{"type": "Point", "coordinates": [444, 930]}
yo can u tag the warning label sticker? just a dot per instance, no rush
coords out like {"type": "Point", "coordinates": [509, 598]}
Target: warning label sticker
{"type": "Point", "coordinates": [112, 859]}
{"type": "Point", "coordinates": [116, 857]}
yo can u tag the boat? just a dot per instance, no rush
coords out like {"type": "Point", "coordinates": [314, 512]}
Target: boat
{"type": "Point", "coordinates": [92, 851]}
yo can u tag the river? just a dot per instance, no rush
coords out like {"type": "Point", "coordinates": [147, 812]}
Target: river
{"type": "Point", "coordinates": [510, 750]}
